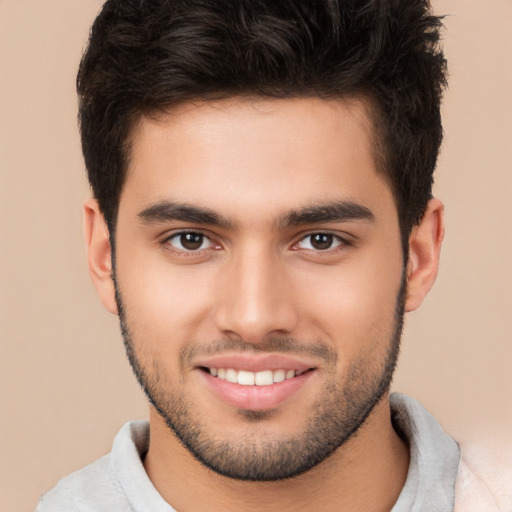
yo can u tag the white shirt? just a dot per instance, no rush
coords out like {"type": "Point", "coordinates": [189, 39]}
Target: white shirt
{"type": "Point", "coordinates": [118, 481]}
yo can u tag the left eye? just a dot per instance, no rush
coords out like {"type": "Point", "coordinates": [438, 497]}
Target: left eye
{"type": "Point", "coordinates": [320, 242]}
{"type": "Point", "coordinates": [189, 241]}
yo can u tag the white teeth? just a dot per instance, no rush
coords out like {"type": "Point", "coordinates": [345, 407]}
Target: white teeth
{"type": "Point", "coordinates": [264, 378]}
{"type": "Point", "coordinates": [245, 378]}
{"type": "Point", "coordinates": [279, 376]}
{"type": "Point", "coordinates": [231, 376]}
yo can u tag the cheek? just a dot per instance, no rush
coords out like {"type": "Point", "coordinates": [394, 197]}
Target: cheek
{"type": "Point", "coordinates": [164, 304]}
{"type": "Point", "coordinates": [354, 305]}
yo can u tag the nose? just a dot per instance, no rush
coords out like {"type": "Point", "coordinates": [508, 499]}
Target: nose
{"type": "Point", "coordinates": [257, 298]}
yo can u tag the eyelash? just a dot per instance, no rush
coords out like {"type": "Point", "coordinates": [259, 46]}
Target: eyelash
{"type": "Point", "coordinates": [188, 253]}
{"type": "Point", "coordinates": [341, 243]}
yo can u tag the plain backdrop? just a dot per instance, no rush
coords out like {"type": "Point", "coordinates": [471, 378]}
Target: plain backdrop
{"type": "Point", "coordinates": [65, 386]}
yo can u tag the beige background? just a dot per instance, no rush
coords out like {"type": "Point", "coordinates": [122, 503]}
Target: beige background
{"type": "Point", "coordinates": [65, 387]}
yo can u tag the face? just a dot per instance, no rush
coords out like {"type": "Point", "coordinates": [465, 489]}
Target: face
{"type": "Point", "coordinates": [259, 279]}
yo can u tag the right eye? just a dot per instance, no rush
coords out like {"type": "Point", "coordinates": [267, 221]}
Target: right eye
{"type": "Point", "coordinates": [320, 242]}
{"type": "Point", "coordinates": [189, 241]}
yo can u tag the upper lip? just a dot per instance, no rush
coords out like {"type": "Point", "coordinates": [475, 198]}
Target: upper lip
{"type": "Point", "coordinates": [255, 362]}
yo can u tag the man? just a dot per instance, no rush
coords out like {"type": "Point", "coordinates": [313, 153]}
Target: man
{"type": "Point", "coordinates": [262, 219]}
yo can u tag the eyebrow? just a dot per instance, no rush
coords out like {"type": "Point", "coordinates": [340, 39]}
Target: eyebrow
{"type": "Point", "coordinates": [166, 211]}
{"type": "Point", "coordinates": [337, 211]}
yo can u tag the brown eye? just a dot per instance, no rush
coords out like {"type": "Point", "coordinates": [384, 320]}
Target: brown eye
{"type": "Point", "coordinates": [320, 242]}
{"type": "Point", "coordinates": [189, 241]}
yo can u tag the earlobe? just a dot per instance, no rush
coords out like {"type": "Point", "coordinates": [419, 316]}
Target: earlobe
{"type": "Point", "coordinates": [424, 251]}
{"type": "Point", "coordinates": [99, 254]}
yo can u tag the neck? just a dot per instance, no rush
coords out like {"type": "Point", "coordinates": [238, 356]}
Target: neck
{"type": "Point", "coordinates": [366, 473]}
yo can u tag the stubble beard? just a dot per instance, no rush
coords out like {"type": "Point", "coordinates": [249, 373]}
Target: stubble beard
{"type": "Point", "coordinates": [337, 416]}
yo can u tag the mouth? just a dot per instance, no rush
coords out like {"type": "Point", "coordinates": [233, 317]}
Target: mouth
{"type": "Point", "coordinates": [249, 378]}
{"type": "Point", "coordinates": [255, 383]}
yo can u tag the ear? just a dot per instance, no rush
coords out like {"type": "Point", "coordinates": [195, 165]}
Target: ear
{"type": "Point", "coordinates": [424, 250]}
{"type": "Point", "coordinates": [99, 254]}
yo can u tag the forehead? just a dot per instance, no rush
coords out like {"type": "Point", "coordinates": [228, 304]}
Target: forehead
{"type": "Point", "coordinates": [254, 156]}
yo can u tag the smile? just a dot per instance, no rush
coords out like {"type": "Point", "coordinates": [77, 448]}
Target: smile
{"type": "Point", "coordinates": [248, 378]}
{"type": "Point", "coordinates": [254, 390]}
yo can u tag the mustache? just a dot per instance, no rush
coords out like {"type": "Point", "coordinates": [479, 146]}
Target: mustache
{"type": "Point", "coordinates": [271, 345]}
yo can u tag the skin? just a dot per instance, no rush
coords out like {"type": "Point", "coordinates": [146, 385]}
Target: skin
{"type": "Point", "coordinates": [259, 279]}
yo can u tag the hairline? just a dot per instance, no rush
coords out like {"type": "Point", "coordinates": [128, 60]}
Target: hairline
{"type": "Point", "coordinates": [371, 110]}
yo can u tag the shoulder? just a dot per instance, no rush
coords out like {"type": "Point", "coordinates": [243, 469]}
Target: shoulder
{"type": "Point", "coordinates": [484, 479]}
{"type": "Point", "coordinates": [92, 488]}
{"type": "Point", "coordinates": [103, 485]}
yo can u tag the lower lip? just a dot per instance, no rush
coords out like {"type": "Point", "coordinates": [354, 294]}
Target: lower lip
{"type": "Point", "coordinates": [255, 398]}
